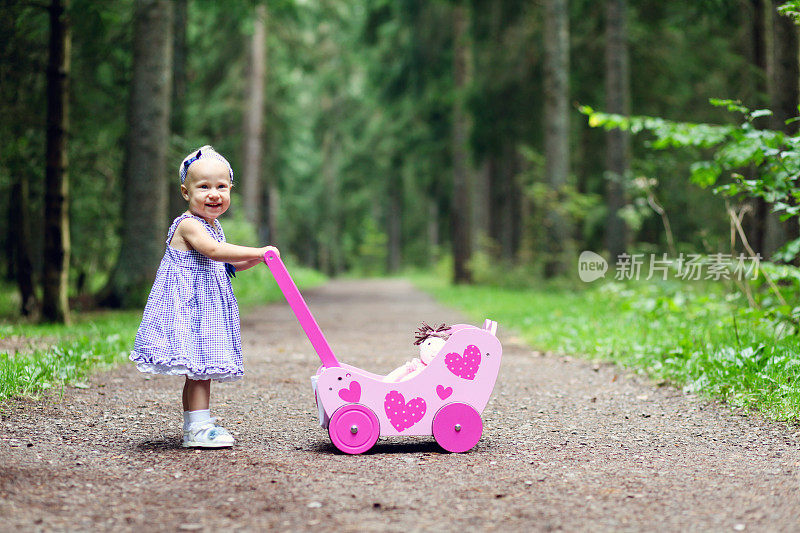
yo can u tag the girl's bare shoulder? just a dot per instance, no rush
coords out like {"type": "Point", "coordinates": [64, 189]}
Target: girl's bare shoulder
{"type": "Point", "coordinates": [186, 228]}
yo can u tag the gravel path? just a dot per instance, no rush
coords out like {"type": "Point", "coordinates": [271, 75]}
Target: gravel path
{"type": "Point", "coordinates": [567, 445]}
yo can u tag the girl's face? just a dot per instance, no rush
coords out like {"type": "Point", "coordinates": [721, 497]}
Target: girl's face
{"type": "Point", "coordinates": [207, 189]}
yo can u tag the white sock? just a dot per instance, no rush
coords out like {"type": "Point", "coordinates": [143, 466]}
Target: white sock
{"type": "Point", "coordinates": [194, 417]}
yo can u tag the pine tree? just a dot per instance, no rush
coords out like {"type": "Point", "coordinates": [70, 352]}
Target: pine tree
{"type": "Point", "coordinates": [556, 139]}
{"type": "Point", "coordinates": [254, 118]}
{"type": "Point", "coordinates": [461, 212]}
{"type": "Point", "coordinates": [55, 279]}
{"type": "Point", "coordinates": [144, 200]}
{"type": "Point", "coordinates": [618, 143]}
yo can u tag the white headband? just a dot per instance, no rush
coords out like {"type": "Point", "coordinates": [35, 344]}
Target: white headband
{"type": "Point", "coordinates": [205, 152]}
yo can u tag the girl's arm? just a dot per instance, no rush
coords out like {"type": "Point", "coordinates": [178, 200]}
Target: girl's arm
{"type": "Point", "coordinates": [244, 265]}
{"type": "Point", "coordinates": [197, 238]}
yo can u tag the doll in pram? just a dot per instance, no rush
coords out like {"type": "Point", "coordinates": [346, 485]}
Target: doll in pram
{"type": "Point", "coordinates": [444, 399]}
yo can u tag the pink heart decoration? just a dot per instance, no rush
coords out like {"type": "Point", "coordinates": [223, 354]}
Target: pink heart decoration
{"type": "Point", "coordinates": [466, 366]}
{"type": "Point", "coordinates": [444, 393]}
{"type": "Point", "coordinates": [402, 415]}
{"type": "Point", "coordinates": [353, 394]}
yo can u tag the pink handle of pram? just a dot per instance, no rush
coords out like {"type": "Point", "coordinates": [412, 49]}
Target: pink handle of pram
{"type": "Point", "coordinates": [300, 308]}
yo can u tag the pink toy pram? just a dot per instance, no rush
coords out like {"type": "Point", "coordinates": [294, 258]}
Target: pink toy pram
{"type": "Point", "coordinates": [445, 400]}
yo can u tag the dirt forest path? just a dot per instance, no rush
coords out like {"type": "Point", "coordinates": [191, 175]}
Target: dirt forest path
{"type": "Point", "coordinates": [567, 445]}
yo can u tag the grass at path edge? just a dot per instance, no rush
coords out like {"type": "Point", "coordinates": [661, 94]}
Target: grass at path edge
{"type": "Point", "coordinates": [64, 355]}
{"type": "Point", "coordinates": [695, 336]}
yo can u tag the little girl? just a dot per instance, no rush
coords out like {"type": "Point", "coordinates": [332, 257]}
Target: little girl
{"type": "Point", "coordinates": [190, 325]}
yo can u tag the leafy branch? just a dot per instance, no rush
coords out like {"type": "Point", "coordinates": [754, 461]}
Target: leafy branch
{"type": "Point", "coordinates": [772, 157]}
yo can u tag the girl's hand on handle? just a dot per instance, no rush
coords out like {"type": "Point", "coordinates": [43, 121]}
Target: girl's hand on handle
{"type": "Point", "coordinates": [266, 249]}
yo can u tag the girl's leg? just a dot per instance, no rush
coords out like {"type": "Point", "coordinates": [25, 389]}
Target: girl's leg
{"type": "Point", "coordinates": [199, 429]}
{"type": "Point", "coordinates": [196, 394]}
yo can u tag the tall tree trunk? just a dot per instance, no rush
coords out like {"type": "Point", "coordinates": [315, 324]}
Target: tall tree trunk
{"type": "Point", "coordinates": [485, 177]}
{"type": "Point", "coordinates": [504, 205]}
{"type": "Point", "coordinates": [254, 118]}
{"type": "Point", "coordinates": [758, 46]}
{"type": "Point", "coordinates": [784, 87]}
{"type": "Point", "coordinates": [556, 139]}
{"type": "Point", "coordinates": [394, 217]}
{"type": "Point", "coordinates": [785, 71]}
{"type": "Point", "coordinates": [496, 192]}
{"type": "Point", "coordinates": [144, 208]}
{"type": "Point", "coordinates": [528, 225]}
{"type": "Point", "coordinates": [753, 14]}
{"type": "Point", "coordinates": [394, 225]}
{"type": "Point", "coordinates": [506, 190]}
{"type": "Point", "coordinates": [329, 249]}
{"type": "Point", "coordinates": [12, 236]}
{"type": "Point", "coordinates": [23, 266]}
{"type": "Point", "coordinates": [177, 107]}
{"type": "Point", "coordinates": [618, 142]}
{"type": "Point", "coordinates": [517, 200]}
{"type": "Point", "coordinates": [55, 279]}
{"type": "Point", "coordinates": [461, 212]}
{"type": "Point", "coordinates": [273, 202]}
{"type": "Point", "coordinates": [481, 207]}
{"type": "Point", "coordinates": [433, 231]}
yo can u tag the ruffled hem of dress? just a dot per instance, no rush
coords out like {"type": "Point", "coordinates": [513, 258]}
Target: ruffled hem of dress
{"type": "Point", "coordinates": [183, 370]}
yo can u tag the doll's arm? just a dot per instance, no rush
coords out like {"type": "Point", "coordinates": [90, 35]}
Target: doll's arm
{"type": "Point", "coordinates": [407, 370]}
{"type": "Point", "coordinates": [395, 375]}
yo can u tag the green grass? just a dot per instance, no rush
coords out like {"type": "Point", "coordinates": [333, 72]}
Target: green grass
{"type": "Point", "coordinates": [694, 335]}
{"type": "Point", "coordinates": [65, 355]}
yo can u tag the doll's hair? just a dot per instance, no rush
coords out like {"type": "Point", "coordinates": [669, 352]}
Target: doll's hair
{"type": "Point", "coordinates": [204, 152]}
{"type": "Point", "coordinates": [426, 331]}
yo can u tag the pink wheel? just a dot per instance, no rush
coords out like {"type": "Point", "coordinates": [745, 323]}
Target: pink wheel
{"type": "Point", "coordinates": [354, 428]}
{"type": "Point", "coordinates": [457, 427]}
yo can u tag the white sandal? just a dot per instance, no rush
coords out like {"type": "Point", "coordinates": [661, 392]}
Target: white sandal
{"type": "Point", "coordinates": [207, 434]}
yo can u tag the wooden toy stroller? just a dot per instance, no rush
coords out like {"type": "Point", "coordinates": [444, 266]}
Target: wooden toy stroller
{"type": "Point", "coordinates": [445, 400]}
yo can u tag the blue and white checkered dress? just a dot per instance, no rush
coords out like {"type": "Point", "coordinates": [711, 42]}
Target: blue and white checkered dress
{"type": "Point", "coordinates": [190, 324]}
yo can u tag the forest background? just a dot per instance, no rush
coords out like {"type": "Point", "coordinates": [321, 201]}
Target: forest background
{"type": "Point", "coordinates": [483, 142]}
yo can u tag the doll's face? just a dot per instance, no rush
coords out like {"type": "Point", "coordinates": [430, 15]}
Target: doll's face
{"type": "Point", "coordinates": [429, 348]}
